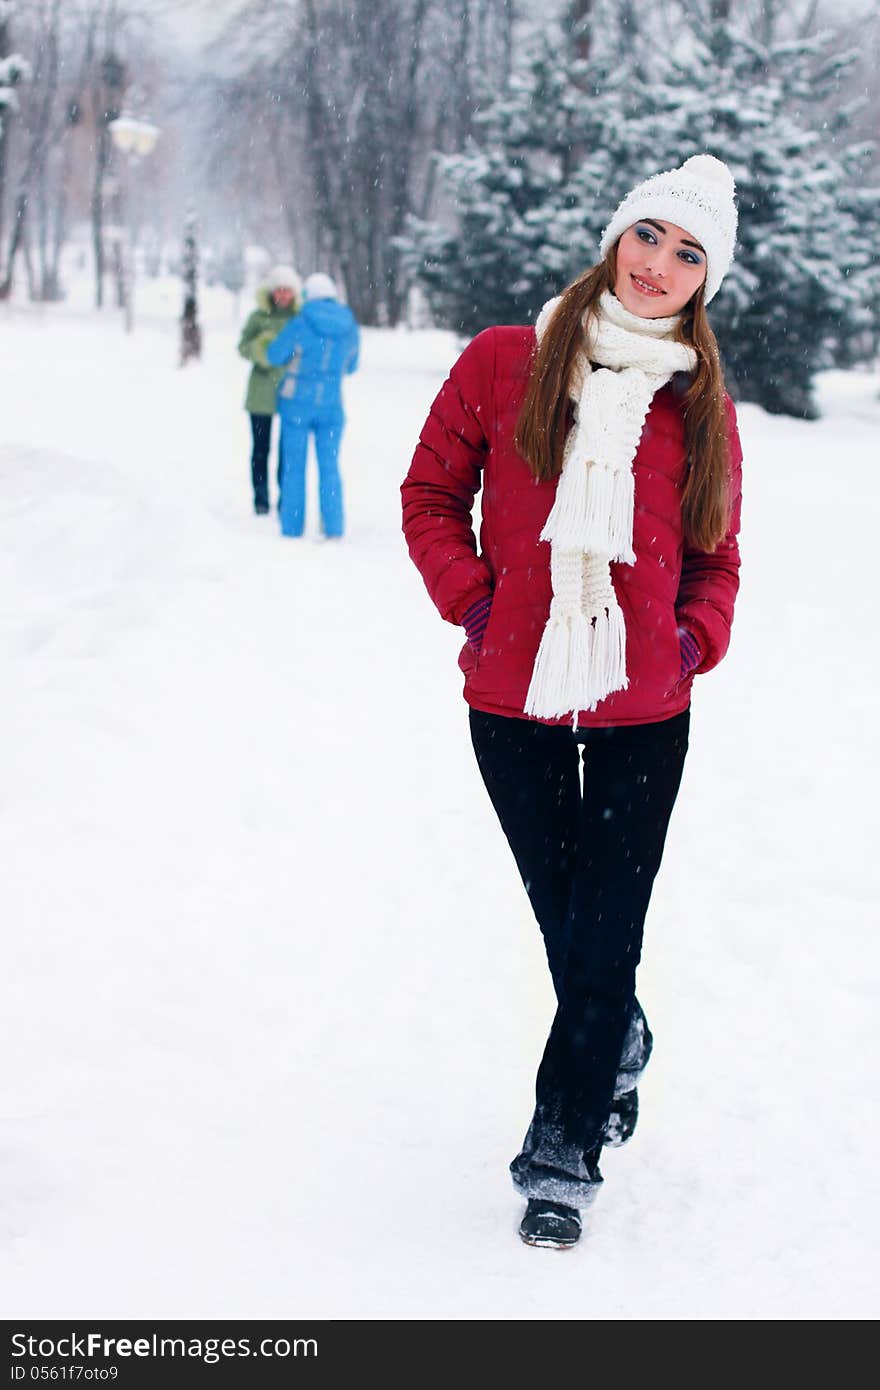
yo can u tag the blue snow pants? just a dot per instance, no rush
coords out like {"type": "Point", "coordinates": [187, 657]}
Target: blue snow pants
{"type": "Point", "coordinates": [326, 426]}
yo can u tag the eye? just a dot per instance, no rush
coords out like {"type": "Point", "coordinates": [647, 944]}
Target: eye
{"type": "Point", "coordinates": [645, 234]}
{"type": "Point", "coordinates": [690, 257]}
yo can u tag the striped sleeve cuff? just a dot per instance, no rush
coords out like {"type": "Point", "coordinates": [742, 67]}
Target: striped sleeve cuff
{"type": "Point", "coordinates": [475, 620]}
{"type": "Point", "coordinates": [690, 652]}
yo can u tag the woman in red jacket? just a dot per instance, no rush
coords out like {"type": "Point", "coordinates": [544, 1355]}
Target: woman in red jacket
{"type": "Point", "coordinates": [604, 582]}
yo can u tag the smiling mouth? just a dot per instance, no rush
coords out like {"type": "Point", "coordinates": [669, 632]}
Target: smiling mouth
{"type": "Point", "coordinates": [644, 286]}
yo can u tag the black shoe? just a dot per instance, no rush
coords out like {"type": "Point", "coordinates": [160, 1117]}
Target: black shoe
{"type": "Point", "coordinates": [622, 1120]}
{"type": "Point", "coordinates": [552, 1225]}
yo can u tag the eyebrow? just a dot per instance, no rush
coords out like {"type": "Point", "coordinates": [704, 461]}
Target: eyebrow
{"type": "Point", "coordinates": [661, 228]}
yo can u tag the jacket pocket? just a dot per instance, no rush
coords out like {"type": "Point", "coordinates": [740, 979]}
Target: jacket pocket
{"type": "Point", "coordinates": [678, 682]}
{"type": "Point", "coordinates": [468, 659]}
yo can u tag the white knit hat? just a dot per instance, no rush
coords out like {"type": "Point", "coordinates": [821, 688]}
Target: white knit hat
{"type": "Point", "coordinates": [283, 277]}
{"type": "Point", "coordinates": [320, 286]}
{"type": "Point", "coordinates": [698, 197]}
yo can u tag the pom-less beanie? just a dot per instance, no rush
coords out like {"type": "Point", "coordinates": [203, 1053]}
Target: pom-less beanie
{"type": "Point", "coordinates": [320, 286]}
{"type": "Point", "coordinates": [698, 196]}
{"type": "Point", "coordinates": [283, 277]}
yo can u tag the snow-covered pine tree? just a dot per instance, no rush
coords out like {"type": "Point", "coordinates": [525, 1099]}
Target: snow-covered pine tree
{"type": "Point", "coordinates": [190, 330]}
{"type": "Point", "coordinates": [531, 198]}
{"type": "Point", "coordinates": [574, 136]}
{"type": "Point", "coordinates": [802, 292]}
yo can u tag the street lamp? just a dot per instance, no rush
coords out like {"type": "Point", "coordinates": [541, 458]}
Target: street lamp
{"type": "Point", "coordinates": [135, 140]}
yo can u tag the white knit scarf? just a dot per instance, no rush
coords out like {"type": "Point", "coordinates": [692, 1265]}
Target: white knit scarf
{"type": "Point", "coordinates": [582, 656]}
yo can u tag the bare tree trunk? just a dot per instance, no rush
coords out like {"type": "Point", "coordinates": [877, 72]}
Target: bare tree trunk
{"type": "Point", "coordinates": [52, 284]}
{"type": "Point", "coordinates": [767, 22]}
{"type": "Point", "coordinates": [43, 227]}
{"type": "Point", "coordinates": [14, 244]}
{"type": "Point", "coordinates": [324, 152]}
{"type": "Point", "coordinates": [364, 154]}
{"type": "Point", "coordinates": [579, 35]}
{"type": "Point", "coordinates": [29, 264]}
{"type": "Point", "coordinates": [46, 73]}
{"type": "Point", "coordinates": [123, 215]}
{"type": "Point", "coordinates": [482, 56]}
{"type": "Point", "coordinates": [108, 88]}
{"type": "Point", "coordinates": [578, 26]}
{"type": "Point", "coordinates": [507, 17]}
{"type": "Point", "coordinates": [429, 186]}
{"type": "Point", "coordinates": [627, 24]}
{"type": "Point", "coordinates": [401, 198]}
{"type": "Point", "coordinates": [56, 202]}
{"type": "Point", "coordinates": [290, 220]}
{"type": "Point", "coordinates": [190, 329]}
{"type": "Point", "coordinates": [117, 264]}
{"type": "Point", "coordinates": [5, 49]}
{"type": "Point", "coordinates": [808, 21]}
{"type": "Point", "coordinates": [462, 78]}
{"type": "Point", "coordinates": [101, 154]}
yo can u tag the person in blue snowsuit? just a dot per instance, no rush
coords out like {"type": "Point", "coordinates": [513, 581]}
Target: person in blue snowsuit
{"type": "Point", "coordinates": [319, 346]}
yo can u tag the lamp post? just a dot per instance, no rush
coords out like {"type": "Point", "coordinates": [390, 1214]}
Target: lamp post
{"type": "Point", "coordinates": [135, 140]}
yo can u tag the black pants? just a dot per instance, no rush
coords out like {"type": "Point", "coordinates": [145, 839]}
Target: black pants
{"type": "Point", "coordinates": [588, 861]}
{"type": "Point", "coordinates": [261, 429]}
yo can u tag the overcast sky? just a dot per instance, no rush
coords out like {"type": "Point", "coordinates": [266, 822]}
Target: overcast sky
{"type": "Point", "coordinates": [193, 23]}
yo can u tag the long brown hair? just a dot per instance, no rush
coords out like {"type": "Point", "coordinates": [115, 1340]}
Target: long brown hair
{"type": "Point", "coordinates": [544, 417]}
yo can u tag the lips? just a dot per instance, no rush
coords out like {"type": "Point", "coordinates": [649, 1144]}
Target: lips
{"type": "Point", "coordinates": [645, 286]}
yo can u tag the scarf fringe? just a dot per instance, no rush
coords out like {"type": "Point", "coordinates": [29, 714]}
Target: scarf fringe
{"type": "Point", "coordinates": [581, 659]}
{"type": "Point", "coordinates": [593, 511]}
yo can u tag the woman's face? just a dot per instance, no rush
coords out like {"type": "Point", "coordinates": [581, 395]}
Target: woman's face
{"type": "Point", "coordinates": [283, 297]}
{"type": "Point", "coordinates": [659, 268]}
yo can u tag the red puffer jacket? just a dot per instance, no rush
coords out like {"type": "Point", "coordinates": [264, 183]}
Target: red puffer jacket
{"type": "Point", "coordinates": [468, 439]}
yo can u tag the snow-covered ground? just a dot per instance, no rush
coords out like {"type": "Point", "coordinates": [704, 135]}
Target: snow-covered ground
{"type": "Point", "coordinates": [271, 996]}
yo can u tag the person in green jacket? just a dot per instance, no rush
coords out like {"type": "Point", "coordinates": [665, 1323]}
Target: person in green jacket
{"type": "Point", "coordinates": [277, 301]}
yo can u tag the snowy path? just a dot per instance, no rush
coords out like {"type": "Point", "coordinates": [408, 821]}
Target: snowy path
{"type": "Point", "coordinates": [272, 999]}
